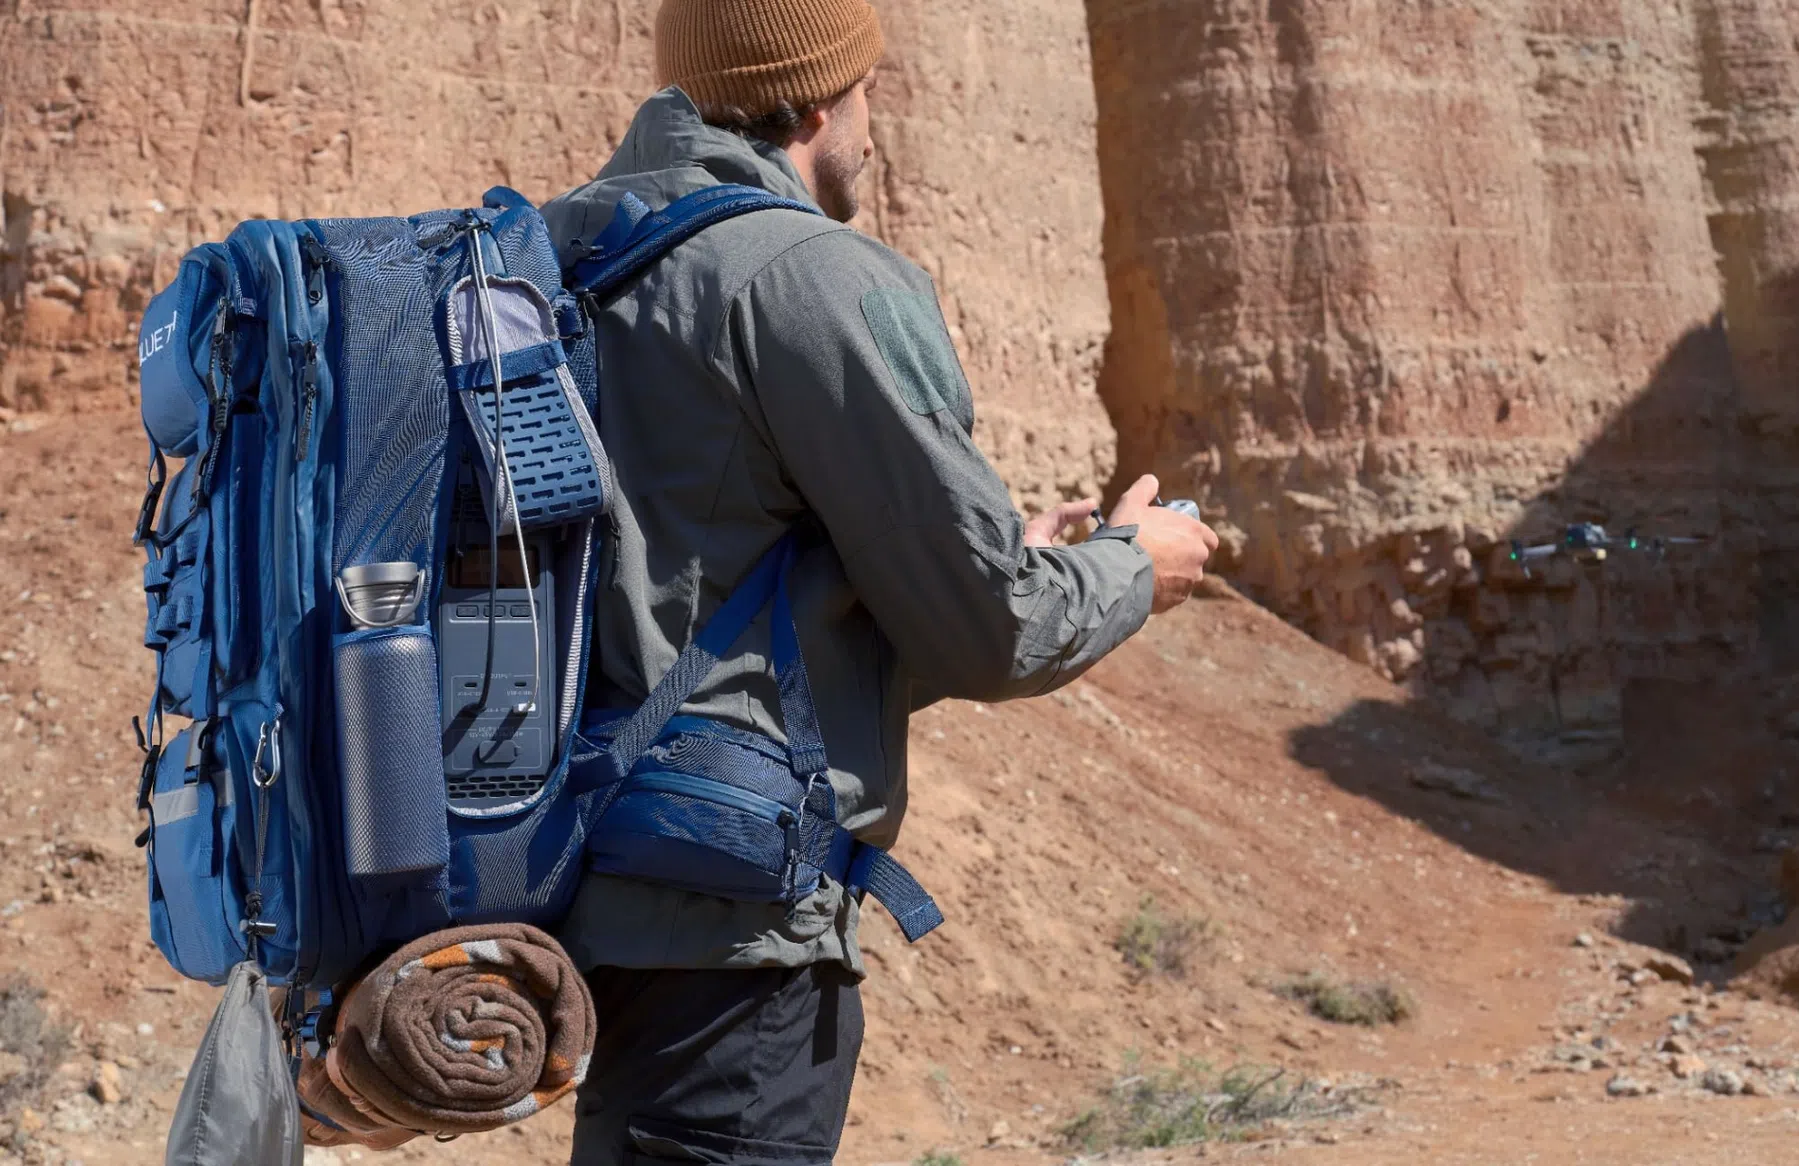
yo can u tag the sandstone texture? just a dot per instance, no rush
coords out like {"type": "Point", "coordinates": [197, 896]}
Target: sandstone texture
{"type": "Point", "coordinates": [1394, 283]}
{"type": "Point", "coordinates": [130, 134]}
{"type": "Point", "coordinates": [987, 175]}
{"type": "Point", "coordinates": [1388, 284]}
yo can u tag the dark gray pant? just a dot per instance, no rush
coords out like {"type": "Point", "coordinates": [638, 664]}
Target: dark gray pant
{"type": "Point", "coordinates": [749, 1068]}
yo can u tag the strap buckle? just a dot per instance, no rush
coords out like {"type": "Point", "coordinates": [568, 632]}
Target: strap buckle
{"type": "Point", "coordinates": [146, 778]}
{"type": "Point", "coordinates": [156, 477]}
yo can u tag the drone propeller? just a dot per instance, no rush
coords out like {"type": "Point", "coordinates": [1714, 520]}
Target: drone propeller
{"type": "Point", "coordinates": [1524, 554]}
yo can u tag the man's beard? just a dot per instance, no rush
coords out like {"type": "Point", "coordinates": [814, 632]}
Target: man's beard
{"type": "Point", "coordinates": [836, 172]}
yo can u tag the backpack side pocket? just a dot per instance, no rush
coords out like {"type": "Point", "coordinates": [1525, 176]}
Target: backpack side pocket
{"type": "Point", "coordinates": [396, 813]}
{"type": "Point", "coordinates": [192, 816]}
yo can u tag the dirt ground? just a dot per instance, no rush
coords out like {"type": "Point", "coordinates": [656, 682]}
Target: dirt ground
{"type": "Point", "coordinates": [1296, 811]}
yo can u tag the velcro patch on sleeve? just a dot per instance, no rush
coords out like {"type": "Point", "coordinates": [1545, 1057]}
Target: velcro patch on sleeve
{"type": "Point", "coordinates": [908, 329]}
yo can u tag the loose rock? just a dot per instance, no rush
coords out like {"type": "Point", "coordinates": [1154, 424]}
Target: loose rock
{"type": "Point", "coordinates": [1725, 1081]}
{"type": "Point", "coordinates": [1669, 967]}
{"type": "Point", "coordinates": [1622, 1086]}
{"type": "Point", "coordinates": [1677, 1044]}
{"type": "Point", "coordinates": [1687, 1065]}
{"type": "Point", "coordinates": [106, 1087]}
{"type": "Point", "coordinates": [1452, 780]}
{"type": "Point", "coordinates": [1583, 940]}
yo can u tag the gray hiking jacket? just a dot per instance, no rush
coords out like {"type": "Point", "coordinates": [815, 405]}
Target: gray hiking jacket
{"type": "Point", "coordinates": [778, 369]}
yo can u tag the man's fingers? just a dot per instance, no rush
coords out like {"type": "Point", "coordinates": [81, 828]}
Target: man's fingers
{"type": "Point", "coordinates": [1072, 512]}
{"type": "Point", "coordinates": [1130, 508]}
{"type": "Point", "coordinates": [1142, 492]}
{"type": "Point", "coordinates": [1042, 530]}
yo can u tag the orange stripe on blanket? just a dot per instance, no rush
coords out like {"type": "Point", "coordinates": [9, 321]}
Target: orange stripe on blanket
{"type": "Point", "coordinates": [446, 957]}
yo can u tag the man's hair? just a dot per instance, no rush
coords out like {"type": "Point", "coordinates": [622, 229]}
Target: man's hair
{"type": "Point", "coordinates": [776, 126]}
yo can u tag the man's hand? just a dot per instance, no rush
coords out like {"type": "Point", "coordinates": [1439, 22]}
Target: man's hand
{"type": "Point", "coordinates": [1042, 530]}
{"type": "Point", "coordinates": [1178, 546]}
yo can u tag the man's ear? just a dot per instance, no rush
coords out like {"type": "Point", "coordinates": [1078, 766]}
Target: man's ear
{"type": "Point", "coordinates": [812, 124]}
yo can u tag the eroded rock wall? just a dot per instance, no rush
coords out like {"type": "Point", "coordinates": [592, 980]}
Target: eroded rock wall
{"type": "Point", "coordinates": [988, 176]}
{"type": "Point", "coordinates": [1394, 282]}
{"type": "Point", "coordinates": [130, 134]}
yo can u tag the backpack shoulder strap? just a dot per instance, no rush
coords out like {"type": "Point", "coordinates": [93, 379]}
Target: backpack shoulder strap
{"type": "Point", "coordinates": [638, 236]}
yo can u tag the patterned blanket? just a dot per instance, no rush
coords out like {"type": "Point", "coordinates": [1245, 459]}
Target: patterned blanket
{"type": "Point", "coordinates": [464, 1030]}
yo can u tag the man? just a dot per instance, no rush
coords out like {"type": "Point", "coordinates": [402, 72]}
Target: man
{"type": "Point", "coordinates": [783, 370]}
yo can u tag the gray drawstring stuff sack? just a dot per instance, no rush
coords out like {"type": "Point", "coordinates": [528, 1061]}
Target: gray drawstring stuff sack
{"type": "Point", "coordinates": [238, 1107]}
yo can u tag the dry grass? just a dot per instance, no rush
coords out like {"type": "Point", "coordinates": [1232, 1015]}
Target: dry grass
{"type": "Point", "coordinates": [1153, 943]}
{"type": "Point", "coordinates": [1191, 1102]}
{"type": "Point", "coordinates": [32, 1045]}
{"type": "Point", "coordinates": [1369, 1005]}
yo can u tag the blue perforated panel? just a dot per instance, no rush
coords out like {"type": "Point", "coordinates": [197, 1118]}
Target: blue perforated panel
{"type": "Point", "coordinates": [554, 475]}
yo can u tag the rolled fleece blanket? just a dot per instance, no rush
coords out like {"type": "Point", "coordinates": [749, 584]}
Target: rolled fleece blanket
{"type": "Point", "coordinates": [464, 1030]}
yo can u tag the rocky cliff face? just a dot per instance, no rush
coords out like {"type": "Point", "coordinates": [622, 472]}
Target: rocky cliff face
{"type": "Point", "coordinates": [1394, 282]}
{"type": "Point", "coordinates": [1390, 283]}
{"type": "Point", "coordinates": [129, 135]}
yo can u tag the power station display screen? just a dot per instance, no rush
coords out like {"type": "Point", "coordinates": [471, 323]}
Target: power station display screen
{"type": "Point", "coordinates": [472, 566]}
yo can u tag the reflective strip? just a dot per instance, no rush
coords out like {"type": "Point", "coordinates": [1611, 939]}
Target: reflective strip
{"type": "Point", "coordinates": [175, 805]}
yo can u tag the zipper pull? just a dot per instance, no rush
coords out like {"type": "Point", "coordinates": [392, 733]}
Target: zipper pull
{"type": "Point", "coordinates": [313, 261]}
{"type": "Point", "coordinates": [309, 396]}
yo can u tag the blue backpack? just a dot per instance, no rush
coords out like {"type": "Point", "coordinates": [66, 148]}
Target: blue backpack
{"type": "Point", "coordinates": [370, 587]}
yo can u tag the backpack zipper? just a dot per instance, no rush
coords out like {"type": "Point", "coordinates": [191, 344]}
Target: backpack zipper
{"type": "Point", "coordinates": [218, 392]}
{"type": "Point", "coordinates": [309, 395]}
{"type": "Point", "coordinates": [709, 790]}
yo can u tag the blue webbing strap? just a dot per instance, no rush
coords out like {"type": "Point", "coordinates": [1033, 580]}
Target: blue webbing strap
{"type": "Point", "coordinates": [766, 580]}
{"type": "Point", "coordinates": [637, 237]}
{"type": "Point", "coordinates": [834, 850]}
{"type": "Point", "coordinates": [520, 363]}
{"type": "Point", "coordinates": [873, 870]}
{"type": "Point", "coordinates": [805, 743]}
{"type": "Point", "coordinates": [626, 216]}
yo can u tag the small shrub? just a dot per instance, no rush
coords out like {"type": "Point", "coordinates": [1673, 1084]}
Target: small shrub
{"type": "Point", "coordinates": [1152, 942]}
{"type": "Point", "coordinates": [1344, 1003]}
{"type": "Point", "coordinates": [31, 1044]}
{"type": "Point", "coordinates": [937, 1158]}
{"type": "Point", "coordinates": [1191, 1103]}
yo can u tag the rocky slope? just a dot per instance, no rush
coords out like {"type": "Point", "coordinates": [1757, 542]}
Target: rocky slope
{"type": "Point", "coordinates": [1393, 283]}
{"type": "Point", "coordinates": [127, 135]}
{"type": "Point", "coordinates": [1283, 809]}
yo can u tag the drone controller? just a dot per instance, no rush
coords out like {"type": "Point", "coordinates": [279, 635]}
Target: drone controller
{"type": "Point", "coordinates": [1183, 506]}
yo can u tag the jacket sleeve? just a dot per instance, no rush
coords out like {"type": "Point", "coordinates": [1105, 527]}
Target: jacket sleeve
{"type": "Point", "coordinates": [842, 345]}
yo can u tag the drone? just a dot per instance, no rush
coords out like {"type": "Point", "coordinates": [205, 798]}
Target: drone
{"type": "Point", "coordinates": [1589, 543]}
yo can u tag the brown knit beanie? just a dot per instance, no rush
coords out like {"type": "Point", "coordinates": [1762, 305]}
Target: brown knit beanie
{"type": "Point", "coordinates": [755, 54]}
